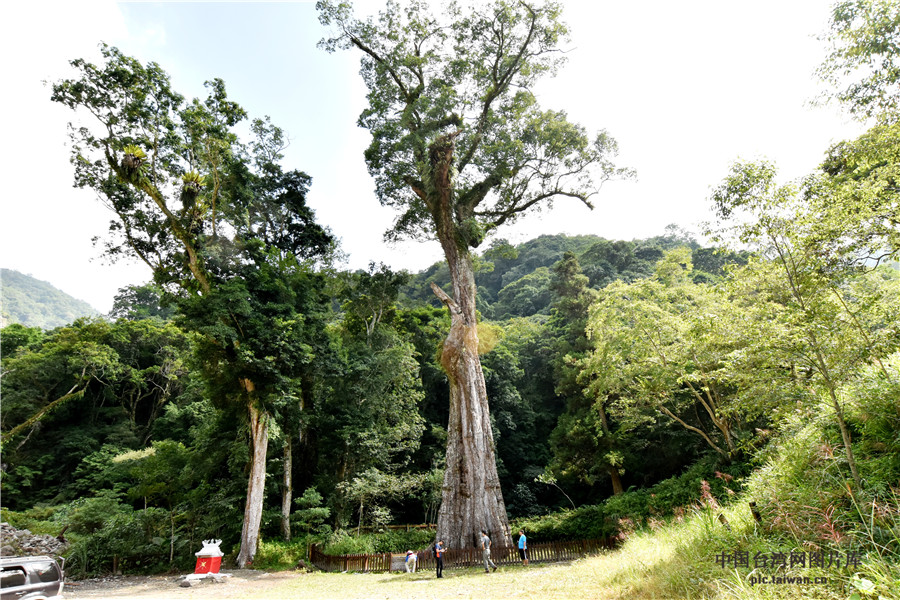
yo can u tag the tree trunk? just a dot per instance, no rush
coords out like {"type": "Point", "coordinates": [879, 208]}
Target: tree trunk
{"type": "Point", "coordinates": [172, 536]}
{"type": "Point", "coordinates": [287, 492]}
{"type": "Point", "coordinates": [613, 469]}
{"type": "Point", "coordinates": [471, 495]}
{"type": "Point", "coordinates": [259, 439]}
{"type": "Point", "coordinates": [616, 480]}
{"type": "Point", "coordinates": [471, 499]}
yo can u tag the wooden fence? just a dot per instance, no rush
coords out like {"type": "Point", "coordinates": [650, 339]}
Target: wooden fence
{"type": "Point", "coordinates": [457, 558]}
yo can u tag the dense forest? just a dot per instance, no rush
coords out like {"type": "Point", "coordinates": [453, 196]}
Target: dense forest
{"type": "Point", "coordinates": [254, 391]}
{"type": "Point", "coordinates": [135, 382]}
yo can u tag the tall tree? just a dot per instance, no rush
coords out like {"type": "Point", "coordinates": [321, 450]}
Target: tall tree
{"type": "Point", "coordinates": [460, 147]}
{"type": "Point", "coordinates": [221, 225]}
{"type": "Point", "coordinates": [863, 65]}
{"type": "Point", "coordinates": [664, 345]}
{"type": "Point", "coordinates": [821, 335]}
{"type": "Point", "coordinates": [569, 320]}
{"type": "Point", "coordinates": [856, 209]}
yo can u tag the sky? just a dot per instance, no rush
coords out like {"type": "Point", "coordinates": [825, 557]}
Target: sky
{"type": "Point", "coordinates": [686, 88]}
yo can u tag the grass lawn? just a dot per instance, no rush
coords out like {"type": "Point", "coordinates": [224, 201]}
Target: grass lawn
{"type": "Point", "coordinates": [675, 561]}
{"type": "Point", "coordinates": [545, 582]}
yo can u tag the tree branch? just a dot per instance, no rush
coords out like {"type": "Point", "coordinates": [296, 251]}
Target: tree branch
{"type": "Point", "coordinates": [692, 428]}
{"type": "Point", "coordinates": [442, 295]}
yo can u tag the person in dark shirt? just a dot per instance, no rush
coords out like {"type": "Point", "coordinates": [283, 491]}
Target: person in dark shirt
{"type": "Point", "coordinates": [439, 558]}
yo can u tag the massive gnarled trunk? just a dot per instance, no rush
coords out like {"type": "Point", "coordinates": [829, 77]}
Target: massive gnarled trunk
{"type": "Point", "coordinates": [259, 441]}
{"type": "Point", "coordinates": [471, 496]}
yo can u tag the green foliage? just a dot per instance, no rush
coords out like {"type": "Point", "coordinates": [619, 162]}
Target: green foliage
{"type": "Point", "coordinates": [311, 514]}
{"type": "Point", "coordinates": [819, 325]}
{"type": "Point", "coordinates": [342, 542]}
{"type": "Point", "coordinates": [397, 540]}
{"type": "Point", "coordinates": [863, 65]}
{"type": "Point", "coordinates": [89, 515]}
{"type": "Point", "coordinates": [877, 412]}
{"type": "Point", "coordinates": [525, 296]}
{"type": "Point", "coordinates": [439, 118]}
{"type": "Point", "coordinates": [664, 346]}
{"type": "Point", "coordinates": [82, 387]}
{"type": "Point", "coordinates": [370, 298]}
{"type": "Point", "coordinates": [278, 555]}
{"type": "Point", "coordinates": [163, 473]}
{"type": "Point", "coordinates": [15, 336]}
{"type": "Point", "coordinates": [371, 491]}
{"type": "Point", "coordinates": [855, 199]}
{"type": "Point", "coordinates": [517, 269]}
{"type": "Point", "coordinates": [41, 520]}
{"type": "Point", "coordinates": [586, 522]}
{"type": "Point", "coordinates": [625, 512]}
{"type": "Point", "coordinates": [135, 302]}
{"type": "Point", "coordinates": [137, 542]}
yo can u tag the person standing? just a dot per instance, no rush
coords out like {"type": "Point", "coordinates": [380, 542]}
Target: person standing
{"type": "Point", "coordinates": [486, 552]}
{"type": "Point", "coordinates": [523, 546]}
{"type": "Point", "coordinates": [411, 561]}
{"type": "Point", "coordinates": [439, 558]}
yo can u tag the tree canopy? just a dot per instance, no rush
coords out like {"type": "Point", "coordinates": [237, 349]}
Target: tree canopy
{"type": "Point", "coordinates": [224, 228]}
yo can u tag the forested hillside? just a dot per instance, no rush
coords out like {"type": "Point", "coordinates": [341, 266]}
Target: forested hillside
{"type": "Point", "coordinates": [36, 303]}
{"type": "Point", "coordinates": [514, 281]}
{"type": "Point", "coordinates": [729, 414]}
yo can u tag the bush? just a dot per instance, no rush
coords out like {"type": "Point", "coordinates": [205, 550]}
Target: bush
{"type": "Point", "coordinates": [87, 515]}
{"type": "Point", "coordinates": [401, 541]}
{"type": "Point", "coordinates": [131, 541]}
{"type": "Point", "coordinates": [586, 522]}
{"type": "Point", "coordinates": [634, 508]}
{"type": "Point", "coordinates": [280, 555]}
{"type": "Point", "coordinates": [40, 520]}
{"type": "Point", "coordinates": [684, 490]}
{"type": "Point", "coordinates": [341, 542]}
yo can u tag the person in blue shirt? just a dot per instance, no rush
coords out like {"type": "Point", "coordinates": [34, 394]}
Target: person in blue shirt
{"type": "Point", "coordinates": [523, 546]}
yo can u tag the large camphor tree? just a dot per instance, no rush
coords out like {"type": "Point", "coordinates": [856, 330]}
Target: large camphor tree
{"type": "Point", "coordinates": [224, 229]}
{"type": "Point", "coordinates": [461, 147]}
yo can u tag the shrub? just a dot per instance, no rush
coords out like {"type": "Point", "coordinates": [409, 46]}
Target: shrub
{"type": "Point", "coordinates": [634, 508]}
{"type": "Point", "coordinates": [400, 541]}
{"type": "Point", "coordinates": [585, 522]}
{"type": "Point", "coordinates": [131, 541]}
{"type": "Point", "coordinates": [41, 520]}
{"type": "Point", "coordinates": [87, 515]}
{"type": "Point", "coordinates": [280, 555]}
{"type": "Point", "coordinates": [341, 542]}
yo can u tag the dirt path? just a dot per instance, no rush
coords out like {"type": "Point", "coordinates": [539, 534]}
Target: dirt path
{"type": "Point", "coordinates": [241, 584]}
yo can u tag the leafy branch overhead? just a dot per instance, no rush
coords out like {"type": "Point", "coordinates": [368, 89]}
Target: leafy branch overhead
{"type": "Point", "coordinates": [174, 172]}
{"type": "Point", "coordinates": [452, 93]}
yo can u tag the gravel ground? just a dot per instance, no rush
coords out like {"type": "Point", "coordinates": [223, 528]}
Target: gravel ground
{"type": "Point", "coordinates": [167, 587]}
